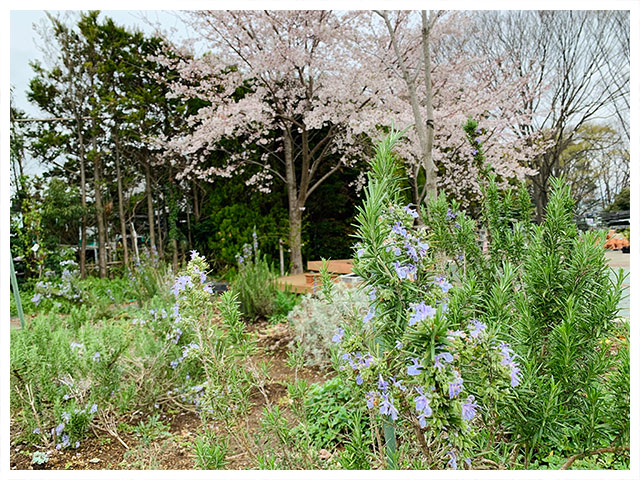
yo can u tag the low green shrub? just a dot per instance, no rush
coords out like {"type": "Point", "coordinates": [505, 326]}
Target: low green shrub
{"type": "Point", "coordinates": [332, 414]}
{"type": "Point", "coordinates": [255, 284]}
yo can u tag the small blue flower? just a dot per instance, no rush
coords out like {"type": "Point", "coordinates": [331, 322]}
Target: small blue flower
{"type": "Point", "coordinates": [66, 416]}
{"type": "Point", "coordinates": [421, 312]}
{"type": "Point", "coordinates": [478, 327]}
{"type": "Point", "coordinates": [370, 314]}
{"type": "Point", "coordinates": [94, 408]}
{"type": "Point", "coordinates": [410, 211]}
{"type": "Point", "coordinates": [469, 408]}
{"type": "Point", "coordinates": [36, 298]}
{"type": "Point", "coordinates": [59, 429]}
{"type": "Point", "coordinates": [399, 345]}
{"type": "Point", "coordinates": [415, 368]}
{"type": "Point", "coordinates": [450, 214]}
{"type": "Point", "coordinates": [446, 356]}
{"type": "Point", "coordinates": [359, 380]}
{"type": "Point", "coordinates": [387, 407]}
{"type": "Point", "coordinates": [422, 405]}
{"type": "Point", "coordinates": [453, 463]}
{"type": "Point", "coordinates": [371, 397]}
{"type": "Point", "coordinates": [455, 387]}
{"type": "Point", "coordinates": [399, 229]}
{"type": "Point", "coordinates": [36, 431]}
{"type": "Point", "coordinates": [337, 337]}
{"type": "Point", "coordinates": [96, 357]}
{"type": "Point", "coordinates": [382, 384]}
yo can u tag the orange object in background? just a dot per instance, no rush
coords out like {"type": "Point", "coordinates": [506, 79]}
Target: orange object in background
{"type": "Point", "coordinates": [615, 241]}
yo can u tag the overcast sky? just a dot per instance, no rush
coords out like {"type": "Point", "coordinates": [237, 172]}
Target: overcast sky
{"type": "Point", "coordinates": [25, 42]}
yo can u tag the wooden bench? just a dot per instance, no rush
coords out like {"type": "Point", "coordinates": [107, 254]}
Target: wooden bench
{"type": "Point", "coordinates": [305, 282]}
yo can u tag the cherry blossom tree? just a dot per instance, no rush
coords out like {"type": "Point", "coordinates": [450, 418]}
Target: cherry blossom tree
{"type": "Point", "coordinates": [435, 83]}
{"type": "Point", "coordinates": [305, 107]}
{"type": "Point", "coordinates": [299, 93]}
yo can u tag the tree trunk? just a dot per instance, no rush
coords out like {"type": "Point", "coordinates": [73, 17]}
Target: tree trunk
{"type": "Point", "coordinates": [83, 200]}
{"type": "Point", "coordinates": [429, 166]}
{"type": "Point", "coordinates": [420, 126]}
{"type": "Point", "coordinates": [102, 240]}
{"type": "Point", "coordinates": [196, 202]}
{"type": "Point", "coordinates": [152, 234]}
{"type": "Point", "coordinates": [295, 212]}
{"type": "Point", "coordinates": [174, 246]}
{"type": "Point", "coordinates": [123, 225]}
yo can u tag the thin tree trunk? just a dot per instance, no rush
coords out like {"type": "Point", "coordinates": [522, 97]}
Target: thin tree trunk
{"type": "Point", "coordinates": [295, 214]}
{"type": "Point", "coordinates": [196, 202]}
{"type": "Point", "coordinates": [123, 225]}
{"type": "Point", "coordinates": [420, 126]}
{"type": "Point", "coordinates": [152, 234]}
{"type": "Point", "coordinates": [160, 224]}
{"type": "Point", "coordinates": [83, 201]}
{"type": "Point", "coordinates": [429, 165]}
{"type": "Point", "coordinates": [102, 241]}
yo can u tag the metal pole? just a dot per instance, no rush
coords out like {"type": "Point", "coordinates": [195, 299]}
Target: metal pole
{"type": "Point", "coordinates": [16, 293]}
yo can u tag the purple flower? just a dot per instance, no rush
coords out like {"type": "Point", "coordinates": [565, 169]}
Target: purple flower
{"type": "Point", "coordinates": [36, 431]}
{"type": "Point", "coordinates": [207, 288]}
{"type": "Point", "coordinates": [398, 384]}
{"type": "Point", "coordinates": [337, 337]}
{"type": "Point", "coordinates": [411, 251]}
{"type": "Point", "coordinates": [410, 211]}
{"type": "Point", "coordinates": [422, 404]}
{"type": "Point", "coordinates": [366, 360]}
{"type": "Point", "coordinates": [382, 384]}
{"type": "Point", "coordinates": [66, 396]}
{"type": "Point", "coordinates": [194, 254]}
{"type": "Point", "coordinates": [446, 356]}
{"type": "Point", "coordinates": [455, 387]}
{"type": "Point", "coordinates": [96, 357]}
{"type": "Point", "coordinates": [467, 461]}
{"type": "Point", "coordinates": [372, 311]}
{"type": "Point", "coordinates": [478, 327]}
{"type": "Point", "coordinates": [399, 345]}
{"type": "Point", "coordinates": [59, 429]}
{"type": "Point", "coordinates": [474, 151]}
{"type": "Point", "coordinates": [77, 444]}
{"type": "Point", "coordinates": [94, 408]}
{"type": "Point", "coordinates": [387, 407]}
{"type": "Point", "coordinates": [515, 372]}
{"type": "Point", "coordinates": [359, 380]}
{"type": "Point", "coordinates": [66, 416]}
{"type": "Point", "coordinates": [370, 397]}
{"type": "Point", "coordinates": [415, 368]}
{"type": "Point", "coordinates": [36, 298]}
{"type": "Point", "coordinates": [422, 312]}
{"type": "Point", "coordinates": [399, 229]}
{"type": "Point", "coordinates": [444, 285]}
{"type": "Point", "coordinates": [401, 271]}
{"type": "Point", "coordinates": [65, 440]}
{"type": "Point", "coordinates": [453, 463]}
{"type": "Point", "coordinates": [469, 408]}
{"type": "Point", "coordinates": [182, 283]}
{"type": "Point", "coordinates": [360, 252]}
{"type": "Point", "coordinates": [450, 214]}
